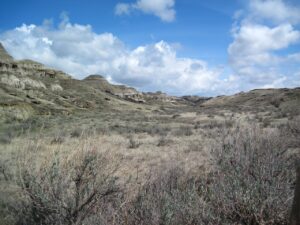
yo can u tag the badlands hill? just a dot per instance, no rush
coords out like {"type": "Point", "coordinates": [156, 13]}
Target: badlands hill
{"type": "Point", "coordinates": [29, 88]}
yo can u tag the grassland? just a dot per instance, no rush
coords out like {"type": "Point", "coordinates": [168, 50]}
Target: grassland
{"type": "Point", "coordinates": [151, 165]}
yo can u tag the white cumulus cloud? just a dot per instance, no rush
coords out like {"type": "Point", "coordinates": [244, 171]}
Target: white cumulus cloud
{"type": "Point", "coordinates": [276, 10]}
{"type": "Point", "coordinates": [164, 9]}
{"type": "Point", "coordinates": [260, 35]}
{"type": "Point", "coordinates": [78, 50]}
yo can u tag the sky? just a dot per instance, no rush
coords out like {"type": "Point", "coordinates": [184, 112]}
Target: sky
{"type": "Point", "coordinates": [181, 47]}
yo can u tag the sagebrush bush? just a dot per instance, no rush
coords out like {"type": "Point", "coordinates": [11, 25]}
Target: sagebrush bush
{"type": "Point", "coordinates": [184, 131]}
{"type": "Point", "coordinates": [163, 141]}
{"type": "Point", "coordinates": [133, 143]}
{"type": "Point", "coordinates": [5, 138]}
{"type": "Point", "coordinates": [252, 181]}
{"type": "Point", "coordinates": [63, 190]}
{"type": "Point", "coordinates": [76, 133]}
{"type": "Point", "coordinates": [171, 197]}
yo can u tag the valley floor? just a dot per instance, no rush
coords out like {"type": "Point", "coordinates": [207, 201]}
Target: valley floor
{"type": "Point", "coordinates": [167, 166]}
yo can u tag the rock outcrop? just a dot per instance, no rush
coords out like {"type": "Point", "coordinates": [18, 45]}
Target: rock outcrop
{"type": "Point", "coordinates": [120, 91]}
{"type": "Point", "coordinates": [4, 56]}
{"type": "Point", "coordinates": [160, 97]}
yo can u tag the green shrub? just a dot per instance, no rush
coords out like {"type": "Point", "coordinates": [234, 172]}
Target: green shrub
{"type": "Point", "coordinates": [76, 133]}
{"type": "Point", "coordinates": [184, 131]}
{"type": "Point", "coordinates": [5, 138]}
{"type": "Point", "coordinates": [133, 143]}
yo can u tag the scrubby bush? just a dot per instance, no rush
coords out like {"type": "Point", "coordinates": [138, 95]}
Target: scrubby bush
{"type": "Point", "coordinates": [133, 143]}
{"type": "Point", "coordinates": [213, 125]}
{"type": "Point", "coordinates": [171, 197]}
{"type": "Point", "coordinates": [275, 101]}
{"type": "Point", "coordinates": [63, 190]}
{"type": "Point", "coordinates": [76, 133]}
{"type": "Point", "coordinates": [163, 141]}
{"type": "Point", "coordinates": [4, 171]}
{"type": "Point", "coordinates": [252, 181]}
{"type": "Point", "coordinates": [57, 140]}
{"type": "Point", "coordinates": [197, 125]}
{"type": "Point", "coordinates": [5, 138]}
{"type": "Point", "coordinates": [184, 131]}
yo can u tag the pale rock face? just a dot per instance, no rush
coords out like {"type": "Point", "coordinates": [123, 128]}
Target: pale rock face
{"type": "Point", "coordinates": [56, 87]}
{"type": "Point", "coordinates": [12, 81]}
{"type": "Point", "coordinates": [159, 96]}
{"type": "Point", "coordinates": [4, 56]}
{"type": "Point", "coordinates": [27, 67]}
{"type": "Point", "coordinates": [22, 83]}
{"type": "Point", "coordinates": [33, 83]}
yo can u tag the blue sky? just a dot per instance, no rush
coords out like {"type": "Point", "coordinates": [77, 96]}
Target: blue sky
{"type": "Point", "coordinates": [177, 46]}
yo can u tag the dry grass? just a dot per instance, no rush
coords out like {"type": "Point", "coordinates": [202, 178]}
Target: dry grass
{"type": "Point", "coordinates": [191, 169]}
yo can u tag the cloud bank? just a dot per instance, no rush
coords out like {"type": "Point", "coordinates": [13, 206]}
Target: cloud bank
{"type": "Point", "coordinates": [259, 55]}
{"type": "Point", "coordinates": [262, 33]}
{"type": "Point", "coordinates": [164, 9]}
{"type": "Point", "coordinates": [79, 51]}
